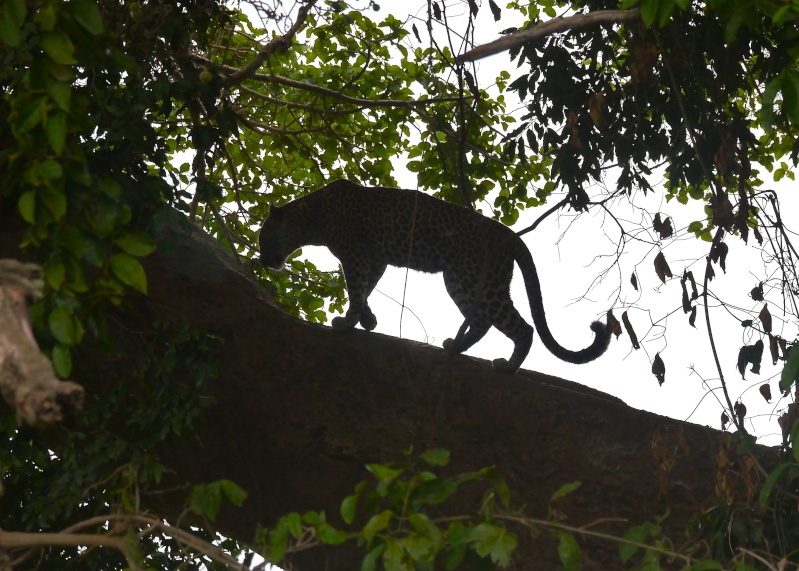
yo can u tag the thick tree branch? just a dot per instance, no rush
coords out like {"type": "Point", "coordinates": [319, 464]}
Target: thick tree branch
{"type": "Point", "coordinates": [549, 27]}
{"type": "Point", "coordinates": [281, 43]}
{"type": "Point", "coordinates": [27, 379]}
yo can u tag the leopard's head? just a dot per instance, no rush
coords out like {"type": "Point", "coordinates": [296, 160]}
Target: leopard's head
{"type": "Point", "coordinates": [276, 241]}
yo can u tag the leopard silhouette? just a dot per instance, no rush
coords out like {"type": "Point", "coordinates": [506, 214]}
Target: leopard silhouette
{"type": "Point", "coordinates": [368, 229]}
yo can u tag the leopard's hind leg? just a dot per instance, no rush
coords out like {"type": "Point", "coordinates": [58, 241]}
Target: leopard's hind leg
{"type": "Point", "coordinates": [506, 318]}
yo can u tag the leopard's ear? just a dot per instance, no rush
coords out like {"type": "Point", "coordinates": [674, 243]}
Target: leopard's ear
{"type": "Point", "coordinates": [275, 212]}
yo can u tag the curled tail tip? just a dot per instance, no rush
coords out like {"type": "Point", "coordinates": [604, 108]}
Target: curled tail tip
{"type": "Point", "coordinates": [602, 333]}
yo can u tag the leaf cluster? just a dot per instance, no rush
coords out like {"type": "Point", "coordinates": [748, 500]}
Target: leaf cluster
{"type": "Point", "coordinates": [397, 519]}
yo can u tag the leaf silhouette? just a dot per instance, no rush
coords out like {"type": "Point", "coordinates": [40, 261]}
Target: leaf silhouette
{"type": "Point", "coordinates": [613, 324]}
{"type": "Point", "coordinates": [757, 292]}
{"type": "Point", "coordinates": [659, 369]}
{"type": "Point", "coordinates": [662, 267]}
{"type": "Point", "coordinates": [628, 326]}
{"type": "Point", "coordinates": [750, 354]}
{"type": "Point", "coordinates": [765, 318]}
{"type": "Point", "coordinates": [495, 10]}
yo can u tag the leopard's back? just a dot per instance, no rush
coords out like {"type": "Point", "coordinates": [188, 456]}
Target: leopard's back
{"type": "Point", "coordinates": [407, 228]}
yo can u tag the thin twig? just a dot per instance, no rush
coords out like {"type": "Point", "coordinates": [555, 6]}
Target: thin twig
{"type": "Point", "coordinates": [716, 241]}
{"type": "Point", "coordinates": [541, 218]}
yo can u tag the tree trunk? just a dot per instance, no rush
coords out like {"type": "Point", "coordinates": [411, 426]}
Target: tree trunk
{"type": "Point", "coordinates": [300, 409]}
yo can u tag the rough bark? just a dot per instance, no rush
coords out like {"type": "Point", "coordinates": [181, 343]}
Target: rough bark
{"type": "Point", "coordinates": [27, 380]}
{"type": "Point", "coordinates": [301, 408]}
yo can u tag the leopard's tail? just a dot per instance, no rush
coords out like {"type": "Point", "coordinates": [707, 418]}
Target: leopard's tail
{"type": "Point", "coordinates": [530, 274]}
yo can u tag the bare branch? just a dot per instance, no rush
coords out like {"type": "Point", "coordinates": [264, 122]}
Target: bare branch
{"type": "Point", "coordinates": [68, 538]}
{"type": "Point", "coordinates": [269, 78]}
{"type": "Point", "coordinates": [280, 43]}
{"type": "Point", "coordinates": [549, 27]}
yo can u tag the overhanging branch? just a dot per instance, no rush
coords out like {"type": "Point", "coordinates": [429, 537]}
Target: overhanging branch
{"type": "Point", "coordinates": [280, 43]}
{"type": "Point", "coordinates": [549, 27]}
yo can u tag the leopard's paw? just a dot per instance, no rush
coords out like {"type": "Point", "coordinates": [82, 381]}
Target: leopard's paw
{"type": "Point", "coordinates": [343, 323]}
{"type": "Point", "coordinates": [368, 321]}
{"type": "Point", "coordinates": [504, 366]}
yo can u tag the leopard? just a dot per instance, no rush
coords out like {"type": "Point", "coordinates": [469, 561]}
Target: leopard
{"type": "Point", "coordinates": [371, 228]}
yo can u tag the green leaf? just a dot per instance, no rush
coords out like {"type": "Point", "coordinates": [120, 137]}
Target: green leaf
{"type": "Point", "coordinates": [649, 11]}
{"type": "Point", "coordinates": [111, 188]}
{"type": "Point", "coordinates": [76, 279]}
{"type": "Point", "coordinates": [57, 131]}
{"type": "Point", "coordinates": [500, 486]}
{"type": "Point", "coordinates": [790, 94]}
{"type": "Point", "coordinates": [278, 542]}
{"type": "Point", "coordinates": [627, 550]}
{"type": "Point", "coordinates": [436, 457]}
{"type": "Point", "coordinates": [58, 46]}
{"type": "Point", "coordinates": [133, 548]}
{"type": "Point", "coordinates": [569, 551]}
{"type": "Point", "coordinates": [665, 10]}
{"type": "Point", "coordinates": [61, 94]}
{"type": "Point", "coordinates": [30, 116]}
{"type": "Point", "coordinates": [383, 472]}
{"type": "Point", "coordinates": [495, 541]}
{"type": "Point", "coordinates": [12, 17]}
{"type": "Point", "coordinates": [232, 492]}
{"type": "Point", "coordinates": [129, 271]}
{"type": "Point", "coordinates": [62, 360]}
{"type": "Point", "coordinates": [348, 508]}
{"type": "Point", "coordinates": [206, 499]}
{"type": "Point", "coordinates": [767, 102]}
{"type": "Point", "coordinates": [136, 243]}
{"type": "Point", "coordinates": [790, 372]}
{"type": "Point", "coordinates": [564, 490]}
{"type": "Point", "coordinates": [55, 272]}
{"type": "Point", "coordinates": [330, 535]}
{"type": "Point", "coordinates": [392, 558]}
{"type": "Point", "coordinates": [425, 527]}
{"type": "Point", "coordinates": [453, 556]}
{"type": "Point", "coordinates": [294, 524]}
{"type": "Point", "coordinates": [794, 437]}
{"type": "Point", "coordinates": [46, 16]}
{"type": "Point", "coordinates": [55, 201]}
{"type": "Point", "coordinates": [434, 491]}
{"type": "Point", "coordinates": [50, 169]}
{"type": "Point", "coordinates": [370, 561]}
{"type": "Point", "coordinates": [376, 523]}
{"type": "Point", "coordinates": [88, 15]}
{"type": "Point", "coordinates": [771, 481]}
{"type": "Point", "coordinates": [63, 326]}
{"type": "Point", "coordinates": [27, 205]}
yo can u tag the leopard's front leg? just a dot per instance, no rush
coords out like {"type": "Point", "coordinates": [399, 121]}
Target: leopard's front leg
{"type": "Point", "coordinates": [361, 279]}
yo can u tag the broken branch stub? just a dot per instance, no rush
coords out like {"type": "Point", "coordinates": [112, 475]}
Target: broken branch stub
{"type": "Point", "coordinates": [27, 379]}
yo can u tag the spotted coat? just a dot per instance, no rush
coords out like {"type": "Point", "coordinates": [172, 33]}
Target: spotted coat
{"type": "Point", "coordinates": [368, 229]}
